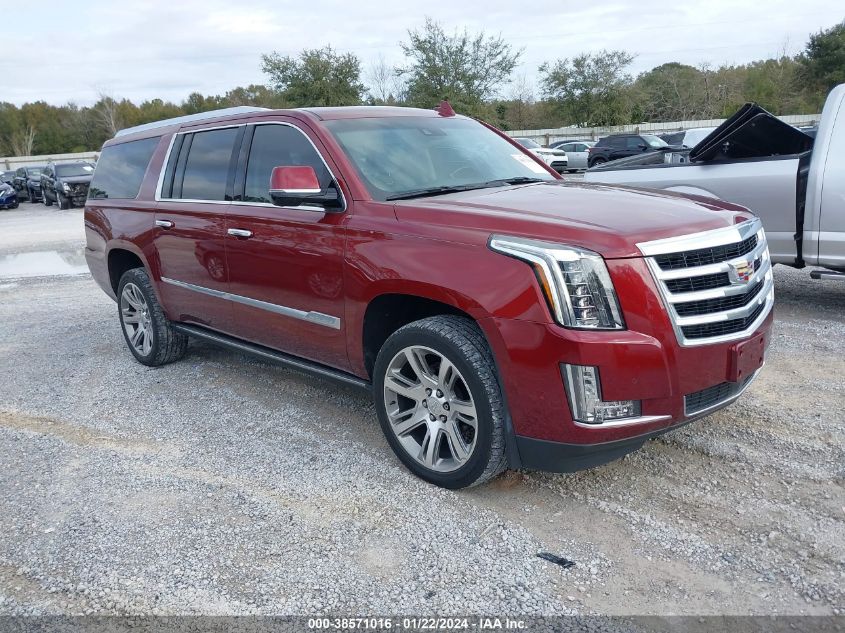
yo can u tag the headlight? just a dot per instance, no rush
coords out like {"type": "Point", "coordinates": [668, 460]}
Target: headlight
{"type": "Point", "coordinates": [574, 280]}
{"type": "Point", "coordinates": [65, 186]}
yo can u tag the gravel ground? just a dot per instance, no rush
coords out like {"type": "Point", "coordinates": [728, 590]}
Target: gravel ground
{"type": "Point", "coordinates": [221, 485]}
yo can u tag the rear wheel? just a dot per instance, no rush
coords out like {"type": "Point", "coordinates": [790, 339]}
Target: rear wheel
{"type": "Point", "coordinates": [149, 335]}
{"type": "Point", "coordinates": [439, 403]}
{"type": "Point", "coordinates": [598, 161]}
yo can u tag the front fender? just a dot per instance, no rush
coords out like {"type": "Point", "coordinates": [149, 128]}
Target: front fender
{"type": "Point", "coordinates": [470, 278]}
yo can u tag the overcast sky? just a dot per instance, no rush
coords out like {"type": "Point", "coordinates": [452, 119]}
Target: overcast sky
{"type": "Point", "coordinates": [170, 48]}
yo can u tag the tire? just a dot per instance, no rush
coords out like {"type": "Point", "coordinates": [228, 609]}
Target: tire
{"type": "Point", "coordinates": [462, 455]}
{"type": "Point", "coordinates": [45, 199]}
{"type": "Point", "coordinates": [598, 161]}
{"type": "Point", "coordinates": [64, 203]}
{"type": "Point", "coordinates": [138, 308]}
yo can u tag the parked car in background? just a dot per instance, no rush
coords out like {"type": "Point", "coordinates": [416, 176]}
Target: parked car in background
{"type": "Point", "coordinates": [499, 317]}
{"type": "Point", "coordinates": [557, 144]}
{"type": "Point", "coordinates": [793, 182]}
{"type": "Point", "coordinates": [618, 146]}
{"type": "Point", "coordinates": [66, 184]}
{"type": "Point", "coordinates": [8, 177]}
{"type": "Point", "coordinates": [8, 196]}
{"type": "Point", "coordinates": [687, 138]}
{"type": "Point", "coordinates": [27, 183]}
{"type": "Point", "coordinates": [577, 153]}
{"type": "Point", "coordinates": [554, 158]}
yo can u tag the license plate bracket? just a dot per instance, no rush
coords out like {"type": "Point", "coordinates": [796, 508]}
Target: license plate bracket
{"type": "Point", "coordinates": [746, 357]}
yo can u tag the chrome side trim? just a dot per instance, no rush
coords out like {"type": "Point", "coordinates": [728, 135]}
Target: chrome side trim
{"type": "Point", "coordinates": [317, 318]}
{"type": "Point", "coordinates": [643, 419]}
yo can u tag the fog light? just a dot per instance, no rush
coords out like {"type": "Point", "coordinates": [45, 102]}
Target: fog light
{"type": "Point", "coordinates": [583, 389]}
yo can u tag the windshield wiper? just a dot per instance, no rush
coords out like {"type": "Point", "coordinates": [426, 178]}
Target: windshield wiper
{"type": "Point", "coordinates": [438, 191]}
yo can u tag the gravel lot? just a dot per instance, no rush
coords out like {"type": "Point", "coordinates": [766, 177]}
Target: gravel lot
{"type": "Point", "coordinates": [221, 485]}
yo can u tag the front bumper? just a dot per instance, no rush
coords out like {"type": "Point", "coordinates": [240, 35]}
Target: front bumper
{"type": "Point", "coordinates": [561, 457]}
{"type": "Point", "coordinates": [675, 384]}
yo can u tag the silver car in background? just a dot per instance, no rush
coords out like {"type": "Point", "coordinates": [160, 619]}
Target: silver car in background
{"type": "Point", "coordinates": [577, 153]}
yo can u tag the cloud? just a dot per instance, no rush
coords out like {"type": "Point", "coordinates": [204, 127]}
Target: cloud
{"type": "Point", "coordinates": [165, 49]}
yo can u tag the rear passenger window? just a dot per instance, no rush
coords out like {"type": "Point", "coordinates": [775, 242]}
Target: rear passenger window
{"type": "Point", "coordinates": [617, 141]}
{"type": "Point", "coordinates": [121, 169]}
{"type": "Point", "coordinates": [279, 145]}
{"type": "Point", "coordinates": [207, 166]}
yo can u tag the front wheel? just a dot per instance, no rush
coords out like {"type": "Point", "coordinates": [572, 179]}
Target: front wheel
{"type": "Point", "coordinates": [149, 334]}
{"type": "Point", "coordinates": [439, 403]}
{"type": "Point", "coordinates": [62, 201]}
{"type": "Point", "coordinates": [45, 199]}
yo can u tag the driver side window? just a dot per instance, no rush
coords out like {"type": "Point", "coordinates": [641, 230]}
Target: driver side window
{"type": "Point", "coordinates": [278, 146]}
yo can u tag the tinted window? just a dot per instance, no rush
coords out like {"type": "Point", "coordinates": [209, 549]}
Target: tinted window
{"type": "Point", "coordinates": [121, 169]}
{"type": "Point", "coordinates": [76, 169]}
{"type": "Point", "coordinates": [274, 146]}
{"type": "Point", "coordinates": [207, 166]}
{"type": "Point", "coordinates": [616, 141]}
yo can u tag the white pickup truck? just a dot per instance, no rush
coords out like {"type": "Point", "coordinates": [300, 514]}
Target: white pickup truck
{"type": "Point", "coordinates": [753, 159]}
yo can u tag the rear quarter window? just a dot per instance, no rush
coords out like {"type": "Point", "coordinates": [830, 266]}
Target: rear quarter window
{"type": "Point", "coordinates": [121, 168]}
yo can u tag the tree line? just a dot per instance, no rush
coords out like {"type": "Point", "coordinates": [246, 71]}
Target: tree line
{"type": "Point", "coordinates": [591, 89]}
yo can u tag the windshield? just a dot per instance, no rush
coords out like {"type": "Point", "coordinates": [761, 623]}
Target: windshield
{"type": "Point", "coordinates": [654, 141]}
{"type": "Point", "coordinates": [68, 171]}
{"type": "Point", "coordinates": [33, 171]}
{"type": "Point", "coordinates": [399, 155]}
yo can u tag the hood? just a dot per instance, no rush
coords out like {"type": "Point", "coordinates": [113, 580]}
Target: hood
{"type": "Point", "coordinates": [606, 219]}
{"type": "Point", "coordinates": [73, 180]}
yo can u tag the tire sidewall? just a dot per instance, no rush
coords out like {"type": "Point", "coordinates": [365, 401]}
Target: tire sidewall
{"type": "Point", "coordinates": [140, 279]}
{"type": "Point", "coordinates": [477, 463]}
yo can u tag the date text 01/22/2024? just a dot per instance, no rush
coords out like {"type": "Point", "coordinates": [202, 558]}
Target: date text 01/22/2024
{"type": "Point", "coordinates": [417, 623]}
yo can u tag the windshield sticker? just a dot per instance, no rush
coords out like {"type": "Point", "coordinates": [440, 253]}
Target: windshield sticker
{"type": "Point", "coordinates": [88, 168]}
{"type": "Point", "coordinates": [522, 158]}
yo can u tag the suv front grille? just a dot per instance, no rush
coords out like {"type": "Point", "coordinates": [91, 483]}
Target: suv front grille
{"type": "Point", "coordinates": [704, 256]}
{"type": "Point", "coordinates": [712, 396]}
{"type": "Point", "coordinates": [717, 286]}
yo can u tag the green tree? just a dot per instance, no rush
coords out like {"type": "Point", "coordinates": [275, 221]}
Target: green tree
{"type": "Point", "coordinates": [591, 89]}
{"type": "Point", "coordinates": [466, 69]}
{"type": "Point", "coordinates": [317, 77]}
{"type": "Point", "coordinates": [823, 60]}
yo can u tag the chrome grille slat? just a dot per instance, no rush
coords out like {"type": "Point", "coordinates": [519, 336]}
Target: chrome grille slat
{"type": "Point", "coordinates": [718, 299]}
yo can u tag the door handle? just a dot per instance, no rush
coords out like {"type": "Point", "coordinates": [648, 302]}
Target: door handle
{"type": "Point", "coordinates": [165, 224]}
{"type": "Point", "coordinates": [240, 233]}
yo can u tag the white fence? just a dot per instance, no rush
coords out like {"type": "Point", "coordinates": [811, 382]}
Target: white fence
{"type": "Point", "coordinates": [544, 137]}
{"type": "Point", "coordinates": [13, 162]}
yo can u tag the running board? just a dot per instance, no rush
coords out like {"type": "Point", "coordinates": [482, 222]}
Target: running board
{"type": "Point", "coordinates": [827, 274]}
{"type": "Point", "coordinates": [280, 358]}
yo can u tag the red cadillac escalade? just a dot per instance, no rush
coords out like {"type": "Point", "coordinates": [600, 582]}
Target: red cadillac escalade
{"type": "Point", "coordinates": [500, 316]}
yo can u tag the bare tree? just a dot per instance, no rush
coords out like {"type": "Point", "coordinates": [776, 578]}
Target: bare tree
{"type": "Point", "coordinates": [22, 141]}
{"type": "Point", "coordinates": [108, 114]}
{"type": "Point", "coordinates": [385, 86]}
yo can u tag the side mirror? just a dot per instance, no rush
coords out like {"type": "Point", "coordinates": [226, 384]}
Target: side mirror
{"type": "Point", "coordinates": [643, 146]}
{"type": "Point", "coordinates": [297, 185]}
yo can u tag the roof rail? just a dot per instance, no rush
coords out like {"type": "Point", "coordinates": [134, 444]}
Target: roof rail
{"type": "Point", "coordinates": [189, 118]}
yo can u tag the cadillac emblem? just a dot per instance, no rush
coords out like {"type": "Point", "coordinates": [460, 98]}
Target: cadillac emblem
{"type": "Point", "coordinates": [742, 272]}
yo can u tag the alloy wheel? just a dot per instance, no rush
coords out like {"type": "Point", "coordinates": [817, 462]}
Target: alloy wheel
{"type": "Point", "coordinates": [137, 323]}
{"type": "Point", "coordinates": [430, 409]}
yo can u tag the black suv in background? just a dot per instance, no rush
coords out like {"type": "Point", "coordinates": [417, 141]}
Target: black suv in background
{"type": "Point", "coordinates": [622, 145]}
{"type": "Point", "coordinates": [27, 183]}
{"type": "Point", "coordinates": [66, 184]}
